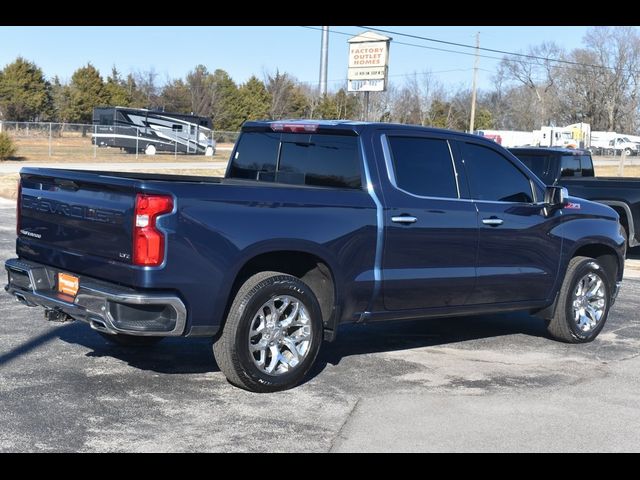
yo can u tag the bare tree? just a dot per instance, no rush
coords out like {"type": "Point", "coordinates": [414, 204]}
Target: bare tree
{"type": "Point", "coordinates": [147, 87]}
{"type": "Point", "coordinates": [280, 87]}
{"type": "Point", "coordinates": [538, 77]}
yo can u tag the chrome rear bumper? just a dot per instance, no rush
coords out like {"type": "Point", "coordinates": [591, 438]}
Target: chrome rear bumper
{"type": "Point", "coordinates": [107, 307]}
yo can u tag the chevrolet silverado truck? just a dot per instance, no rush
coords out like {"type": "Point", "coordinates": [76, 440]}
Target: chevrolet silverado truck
{"type": "Point", "coordinates": [313, 225]}
{"type": "Point", "coordinates": [573, 169]}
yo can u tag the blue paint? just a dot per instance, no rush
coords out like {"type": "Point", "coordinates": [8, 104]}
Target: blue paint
{"type": "Point", "coordinates": [446, 263]}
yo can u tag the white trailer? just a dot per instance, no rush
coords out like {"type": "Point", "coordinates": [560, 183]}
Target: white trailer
{"type": "Point", "coordinates": [508, 138]}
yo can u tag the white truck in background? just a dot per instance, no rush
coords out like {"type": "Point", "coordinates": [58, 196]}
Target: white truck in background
{"type": "Point", "coordinates": [612, 143]}
{"type": "Point", "coordinates": [577, 135]}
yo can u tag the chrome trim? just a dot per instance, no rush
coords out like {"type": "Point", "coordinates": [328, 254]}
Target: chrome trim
{"type": "Point", "coordinates": [404, 219]}
{"type": "Point", "coordinates": [564, 193]}
{"type": "Point", "coordinates": [531, 204]}
{"type": "Point", "coordinates": [589, 302]}
{"type": "Point", "coordinates": [632, 228]}
{"type": "Point", "coordinates": [377, 263]}
{"type": "Point", "coordinates": [280, 335]}
{"type": "Point", "coordinates": [494, 222]}
{"type": "Point", "coordinates": [455, 170]}
{"type": "Point", "coordinates": [386, 151]}
{"type": "Point", "coordinates": [92, 302]}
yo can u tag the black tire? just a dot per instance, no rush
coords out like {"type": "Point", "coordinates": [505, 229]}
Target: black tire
{"type": "Point", "coordinates": [628, 152]}
{"type": "Point", "coordinates": [562, 326]}
{"type": "Point", "coordinates": [130, 340]}
{"type": "Point", "coordinates": [231, 349]}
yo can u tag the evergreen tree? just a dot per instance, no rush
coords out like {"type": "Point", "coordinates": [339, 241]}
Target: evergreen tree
{"type": "Point", "coordinates": [61, 96]}
{"type": "Point", "coordinates": [87, 91]}
{"type": "Point", "coordinates": [224, 113]}
{"type": "Point", "coordinates": [25, 95]}
{"type": "Point", "coordinates": [116, 90]}
{"type": "Point", "coordinates": [254, 101]}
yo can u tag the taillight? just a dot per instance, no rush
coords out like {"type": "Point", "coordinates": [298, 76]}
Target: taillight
{"type": "Point", "coordinates": [18, 207]}
{"type": "Point", "coordinates": [148, 241]}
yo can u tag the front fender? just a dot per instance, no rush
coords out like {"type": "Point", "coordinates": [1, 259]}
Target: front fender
{"type": "Point", "coordinates": [594, 232]}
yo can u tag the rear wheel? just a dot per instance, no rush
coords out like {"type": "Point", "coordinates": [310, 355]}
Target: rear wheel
{"type": "Point", "coordinates": [628, 151]}
{"type": "Point", "coordinates": [130, 340]}
{"type": "Point", "coordinates": [272, 335]}
{"type": "Point", "coordinates": [583, 302]}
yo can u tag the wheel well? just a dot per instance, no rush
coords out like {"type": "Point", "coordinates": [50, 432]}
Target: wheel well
{"type": "Point", "coordinates": [606, 257]}
{"type": "Point", "coordinates": [624, 221]}
{"type": "Point", "coordinates": [307, 267]}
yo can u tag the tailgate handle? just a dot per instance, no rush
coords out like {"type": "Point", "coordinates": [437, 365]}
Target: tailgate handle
{"type": "Point", "coordinates": [66, 184]}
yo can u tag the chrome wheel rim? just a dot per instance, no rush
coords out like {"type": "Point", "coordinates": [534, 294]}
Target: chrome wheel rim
{"type": "Point", "coordinates": [589, 302]}
{"type": "Point", "coordinates": [280, 335]}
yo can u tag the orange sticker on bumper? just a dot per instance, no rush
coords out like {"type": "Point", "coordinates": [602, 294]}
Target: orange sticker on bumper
{"type": "Point", "coordinates": [68, 284]}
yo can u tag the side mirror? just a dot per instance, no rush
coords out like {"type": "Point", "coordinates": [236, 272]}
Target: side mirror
{"type": "Point", "coordinates": [555, 197]}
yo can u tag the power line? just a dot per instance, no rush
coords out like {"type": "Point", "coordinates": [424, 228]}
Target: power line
{"type": "Point", "coordinates": [411, 44]}
{"type": "Point", "coordinates": [493, 50]}
{"type": "Point", "coordinates": [569, 64]}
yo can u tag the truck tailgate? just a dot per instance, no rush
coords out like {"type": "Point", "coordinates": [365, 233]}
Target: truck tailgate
{"type": "Point", "coordinates": [77, 212]}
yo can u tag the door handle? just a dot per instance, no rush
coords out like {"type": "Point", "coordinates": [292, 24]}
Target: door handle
{"type": "Point", "coordinates": [404, 219]}
{"type": "Point", "coordinates": [493, 221]}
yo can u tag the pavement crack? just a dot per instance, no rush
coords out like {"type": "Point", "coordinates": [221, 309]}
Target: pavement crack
{"type": "Point", "coordinates": [338, 434]}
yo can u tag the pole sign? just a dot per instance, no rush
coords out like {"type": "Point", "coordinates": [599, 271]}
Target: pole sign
{"type": "Point", "coordinates": [368, 62]}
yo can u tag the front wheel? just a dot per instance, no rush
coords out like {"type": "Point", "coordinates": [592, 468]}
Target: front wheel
{"type": "Point", "coordinates": [583, 302]}
{"type": "Point", "coordinates": [628, 151]}
{"type": "Point", "coordinates": [150, 150]}
{"type": "Point", "coordinates": [272, 334]}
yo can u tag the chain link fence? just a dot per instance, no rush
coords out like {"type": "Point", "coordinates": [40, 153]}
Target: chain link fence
{"type": "Point", "coordinates": [47, 141]}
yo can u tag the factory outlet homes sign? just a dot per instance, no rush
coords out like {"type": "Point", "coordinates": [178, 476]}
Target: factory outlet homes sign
{"type": "Point", "coordinates": [368, 62]}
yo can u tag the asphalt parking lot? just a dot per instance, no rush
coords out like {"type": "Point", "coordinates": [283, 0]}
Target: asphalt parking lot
{"type": "Point", "coordinates": [493, 383]}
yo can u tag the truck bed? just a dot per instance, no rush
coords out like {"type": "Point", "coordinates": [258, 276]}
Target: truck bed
{"type": "Point", "coordinates": [82, 221]}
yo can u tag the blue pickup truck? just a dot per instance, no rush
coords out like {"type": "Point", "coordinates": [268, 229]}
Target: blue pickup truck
{"type": "Point", "coordinates": [314, 224]}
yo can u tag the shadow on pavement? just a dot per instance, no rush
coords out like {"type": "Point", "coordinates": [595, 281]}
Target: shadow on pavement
{"type": "Point", "coordinates": [188, 356]}
{"type": "Point", "coordinates": [408, 334]}
{"type": "Point", "coordinates": [29, 345]}
{"type": "Point", "coordinates": [171, 355]}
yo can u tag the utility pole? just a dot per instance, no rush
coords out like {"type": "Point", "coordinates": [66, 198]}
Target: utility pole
{"type": "Point", "coordinates": [472, 121]}
{"type": "Point", "coordinates": [324, 58]}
